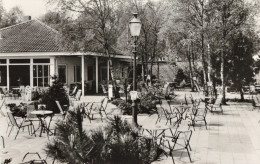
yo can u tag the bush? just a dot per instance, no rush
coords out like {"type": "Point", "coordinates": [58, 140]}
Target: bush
{"type": "Point", "coordinates": [56, 92]}
{"type": "Point", "coordinates": [116, 143]}
{"type": "Point", "coordinates": [147, 104]}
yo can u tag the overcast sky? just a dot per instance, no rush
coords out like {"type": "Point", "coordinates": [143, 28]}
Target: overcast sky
{"type": "Point", "coordinates": [34, 8]}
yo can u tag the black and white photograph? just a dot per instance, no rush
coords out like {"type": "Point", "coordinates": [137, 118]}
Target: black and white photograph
{"type": "Point", "coordinates": [130, 81]}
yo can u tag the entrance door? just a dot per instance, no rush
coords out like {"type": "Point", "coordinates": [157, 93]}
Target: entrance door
{"type": "Point", "coordinates": [19, 75]}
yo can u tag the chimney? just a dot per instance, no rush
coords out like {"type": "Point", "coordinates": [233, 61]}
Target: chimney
{"type": "Point", "coordinates": [27, 18]}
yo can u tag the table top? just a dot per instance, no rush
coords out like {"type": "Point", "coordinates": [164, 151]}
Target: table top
{"type": "Point", "coordinates": [42, 112]}
{"type": "Point", "coordinates": [8, 153]}
{"type": "Point", "coordinates": [181, 106]}
{"type": "Point", "coordinates": [15, 88]}
{"type": "Point", "coordinates": [156, 127]}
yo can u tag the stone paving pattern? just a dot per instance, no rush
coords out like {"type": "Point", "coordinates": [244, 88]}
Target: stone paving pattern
{"type": "Point", "coordinates": [231, 138]}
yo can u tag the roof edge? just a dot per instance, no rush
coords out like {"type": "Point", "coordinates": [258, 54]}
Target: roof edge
{"type": "Point", "coordinates": [16, 25]}
{"type": "Point", "coordinates": [47, 26]}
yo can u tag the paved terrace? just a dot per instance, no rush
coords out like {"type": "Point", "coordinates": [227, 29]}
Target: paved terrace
{"type": "Point", "coordinates": [231, 138]}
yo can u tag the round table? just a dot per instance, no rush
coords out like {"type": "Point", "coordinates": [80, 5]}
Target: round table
{"type": "Point", "coordinates": [9, 153]}
{"type": "Point", "coordinates": [42, 114]}
{"type": "Point", "coordinates": [153, 129]}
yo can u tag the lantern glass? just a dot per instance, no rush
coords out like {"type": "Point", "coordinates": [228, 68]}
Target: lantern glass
{"type": "Point", "coordinates": [135, 27]}
{"type": "Point", "coordinates": [134, 95]}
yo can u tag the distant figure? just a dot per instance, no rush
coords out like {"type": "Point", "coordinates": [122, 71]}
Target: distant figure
{"type": "Point", "coordinates": [148, 79]}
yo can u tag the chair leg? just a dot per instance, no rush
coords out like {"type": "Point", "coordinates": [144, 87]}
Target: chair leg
{"type": "Point", "coordinates": [205, 123]}
{"type": "Point", "coordinates": [29, 130]}
{"type": "Point", "coordinates": [188, 154]}
{"type": "Point", "coordinates": [17, 133]}
{"type": "Point", "coordinates": [10, 131]}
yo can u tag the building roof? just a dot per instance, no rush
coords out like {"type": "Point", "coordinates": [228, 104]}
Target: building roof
{"type": "Point", "coordinates": [30, 36]}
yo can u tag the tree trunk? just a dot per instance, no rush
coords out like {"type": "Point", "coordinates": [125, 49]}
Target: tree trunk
{"type": "Point", "coordinates": [191, 71]}
{"type": "Point", "coordinates": [143, 69]}
{"type": "Point", "coordinates": [223, 77]}
{"type": "Point", "coordinates": [242, 94]}
{"type": "Point", "coordinates": [111, 72]}
{"type": "Point", "coordinates": [158, 70]}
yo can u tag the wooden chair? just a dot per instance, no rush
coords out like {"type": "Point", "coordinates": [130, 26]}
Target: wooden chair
{"type": "Point", "coordinates": [19, 126]}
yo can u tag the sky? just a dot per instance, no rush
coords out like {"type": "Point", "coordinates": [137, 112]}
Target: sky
{"type": "Point", "coordinates": [34, 8]}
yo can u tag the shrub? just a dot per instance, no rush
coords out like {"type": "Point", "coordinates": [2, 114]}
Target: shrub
{"type": "Point", "coordinates": [56, 92]}
{"type": "Point", "coordinates": [116, 143]}
{"type": "Point", "coordinates": [146, 104]}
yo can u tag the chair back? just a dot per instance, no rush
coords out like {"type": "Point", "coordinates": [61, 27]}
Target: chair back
{"type": "Point", "coordinates": [30, 108]}
{"type": "Point", "coordinates": [1, 106]}
{"type": "Point", "coordinates": [78, 95]}
{"type": "Point", "coordinates": [1, 91]}
{"type": "Point", "coordinates": [5, 90]}
{"type": "Point", "coordinates": [74, 90]}
{"type": "Point", "coordinates": [12, 119]}
{"type": "Point", "coordinates": [59, 106]}
{"type": "Point", "coordinates": [103, 89]}
{"type": "Point", "coordinates": [160, 110]}
{"type": "Point", "coordinates": [218, 100]}
{"type": "Point", "coordinates": [104, 103]}
{"type": "Point", "coordinates": [22, 88]}
{"type": "Point", "coordinates": [41, 106]}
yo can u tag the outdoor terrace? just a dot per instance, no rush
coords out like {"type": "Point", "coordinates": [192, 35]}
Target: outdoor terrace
{"type": "Point", "coordinates": [231, 137]}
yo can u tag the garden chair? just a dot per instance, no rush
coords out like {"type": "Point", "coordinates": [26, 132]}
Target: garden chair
{"type": "Point", "coordinates": [77, 96]}
{"type": "Point", "coordinates": [4, 114]}
{"type": "Point", "coordinates": [181, 86]}
{"type": "Point", "coordinates": [19, 126]}
{"type": "Point", "coordinates": [34, 161]}
{"type": "Point", "coordinates": [6, 93]}
{"type": "Point", "coordinates": [98, 109]}
{"type": "Point", "coordinates": [197, 115]}
{"type": "Point", "coordinates": [62, 110]}
{"type": "Point", "coordinates": [74, 91]}
{"type": "Point", "coordinates": [164, 111]}
{"type": "Point", "coordinates": [216, 105]}
{"type": "Point", "coordinates": [255, 102]}
{"type": "Point", "coordinates": [103, 89]}
{"type": "Point", "coordinates": [178, 141]}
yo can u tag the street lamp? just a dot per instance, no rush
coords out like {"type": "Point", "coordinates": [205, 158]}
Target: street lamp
{"type": "Point", "coordinates": [135, 28]}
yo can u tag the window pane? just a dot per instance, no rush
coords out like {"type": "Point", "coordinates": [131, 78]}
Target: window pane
{"type": "Point", "coordinates": [40, 82]}
{"type": "Point", "coordinates": [2, 61]}
{"type": "Point", "coordinates": [35, 82]}
{"type": "Point", "coordinates": [34, 71]}
{"type": "Point", "coordinates": [3, 75]}
{"type": "Point", "coordinates": [62, 73]}
{"type": "Point", "coordinates": [19, 60]}
{"type": "Point", "coordinates": [46, 82]}
{"type": "Point", "coordinates": [46, 70]}
{"type": "Point", "coordinates": [41, 60]}
{"type": "Point", "coordinates": [39, 71]}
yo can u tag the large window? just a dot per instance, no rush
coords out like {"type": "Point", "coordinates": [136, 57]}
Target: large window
{"type": "Point", "coordinates": [41, 75]}
{"type": "Point", "coordinates": [62, 71]}
{"type": "Point", "coordinates": [77, 73]}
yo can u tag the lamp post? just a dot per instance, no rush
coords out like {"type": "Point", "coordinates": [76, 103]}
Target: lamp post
{"type": "Point", "coordinates": [135, 28]}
